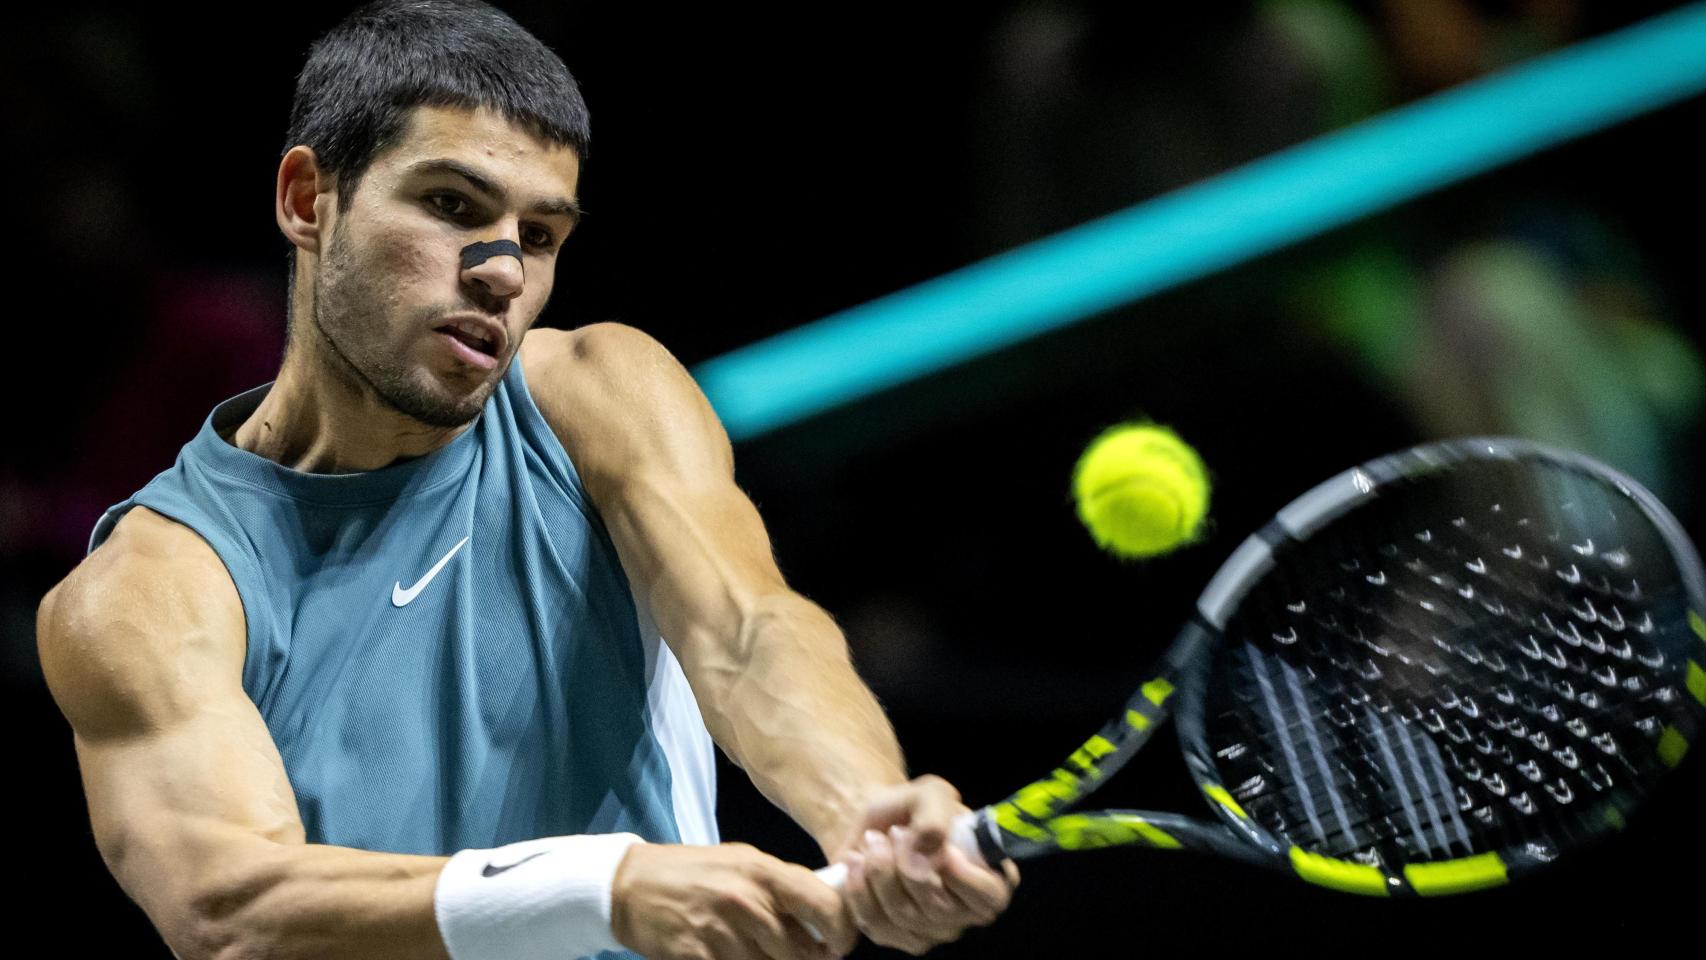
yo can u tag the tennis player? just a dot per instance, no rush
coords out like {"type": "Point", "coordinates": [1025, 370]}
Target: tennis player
{"type": "Point", "coordinates": [414, 650]}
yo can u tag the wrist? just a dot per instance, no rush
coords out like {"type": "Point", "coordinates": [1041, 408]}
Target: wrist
{"type": "Point", "coordinates": [628, 869]}
{"type": "Point", "coordinates": [533, 900]}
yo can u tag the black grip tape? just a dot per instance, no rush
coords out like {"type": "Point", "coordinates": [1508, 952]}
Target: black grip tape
{"type": "Point", "coordinates": [988, 843]}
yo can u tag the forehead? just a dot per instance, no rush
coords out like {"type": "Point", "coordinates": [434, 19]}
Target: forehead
{"type": "Point", "coordinates": [488, 141]}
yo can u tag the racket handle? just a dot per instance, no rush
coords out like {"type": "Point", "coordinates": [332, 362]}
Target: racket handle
{"type": "Point", "coordinates": [961, 833]}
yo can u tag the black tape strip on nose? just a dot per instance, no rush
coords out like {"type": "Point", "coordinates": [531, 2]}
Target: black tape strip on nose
{"type": "Point", "coordinates": [475, 254]}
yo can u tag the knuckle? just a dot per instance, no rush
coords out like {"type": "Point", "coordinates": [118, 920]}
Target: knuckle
{"type": "Point", "coordinates": [756, 866]}
{"type": "Point", "coordinates": [937, 783]}
{"type": "Point", "coordinates": [703, 927]}
{"type": "Point", "coordinates": [716, 928]}
{"type": "Point", "coordinates": [803, 884]}
{"type": "Point", "coordinates": [738, 904]}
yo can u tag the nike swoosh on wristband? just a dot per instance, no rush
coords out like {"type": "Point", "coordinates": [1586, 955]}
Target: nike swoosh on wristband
{"type": "Point", "coordinates": [492, 869]}
{"type": "Point", "coordinates": [402, 598]}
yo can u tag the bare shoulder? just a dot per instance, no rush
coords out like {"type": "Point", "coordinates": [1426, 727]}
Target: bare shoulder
{"type": "Point", "coordinates": [603, 361]}
{"type": "Point", "coordinates": [146, 617]}
{"type": "Point", "coordinates": [620, 402]}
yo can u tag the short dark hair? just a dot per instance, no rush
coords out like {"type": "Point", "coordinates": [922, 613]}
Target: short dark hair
{"type": "Point", "coordinates": [366, 74]}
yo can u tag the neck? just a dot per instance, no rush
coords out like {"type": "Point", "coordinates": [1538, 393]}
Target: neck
{"type": "Point", "coordinates": [320, 417]}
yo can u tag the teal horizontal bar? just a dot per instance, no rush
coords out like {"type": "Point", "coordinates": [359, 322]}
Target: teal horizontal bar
{"type": "Point", "coordinates": [1209, 226]}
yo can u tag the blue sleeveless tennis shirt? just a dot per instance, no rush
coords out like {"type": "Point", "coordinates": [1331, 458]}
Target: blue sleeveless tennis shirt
{"type": "Point", "coordinates": [446, 650]}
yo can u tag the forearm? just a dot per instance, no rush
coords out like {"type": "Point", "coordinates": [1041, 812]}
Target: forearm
{"type": "Point", "coordinates": [286, 901]}
{"type": "Point", "coordinates": [794, 714]}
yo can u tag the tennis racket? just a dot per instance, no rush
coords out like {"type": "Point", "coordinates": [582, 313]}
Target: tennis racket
{"type": "Point", "coordinates": [1431, 674]}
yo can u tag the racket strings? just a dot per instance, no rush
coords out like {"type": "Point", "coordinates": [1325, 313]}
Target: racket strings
{"type": "Point", "coordinates": [1563, 639]}
{"type": "Point", "coordinates": [1424, 687]}
{"type": "Point", "coordinates": [1348, 802]}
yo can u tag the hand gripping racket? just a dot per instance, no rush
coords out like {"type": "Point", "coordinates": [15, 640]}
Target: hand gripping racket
{"type": "Point", "coordinates": [1431, 674]}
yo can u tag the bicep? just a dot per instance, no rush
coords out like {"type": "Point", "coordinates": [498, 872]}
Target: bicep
{"type": "Point", "coordinates": [660, 471]}
{"type": "Point", "coordinates": [143, 650]}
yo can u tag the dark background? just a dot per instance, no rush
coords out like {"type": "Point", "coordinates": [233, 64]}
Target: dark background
{"type": "Point", "coordinates": [753, 170]}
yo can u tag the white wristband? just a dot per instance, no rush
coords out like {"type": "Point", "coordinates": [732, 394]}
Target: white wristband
{"type": "Point", "coordinates": [546, 899]}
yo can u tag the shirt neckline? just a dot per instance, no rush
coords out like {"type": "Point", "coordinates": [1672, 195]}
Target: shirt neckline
{"type": "Point", "coordinates": [407, 478]}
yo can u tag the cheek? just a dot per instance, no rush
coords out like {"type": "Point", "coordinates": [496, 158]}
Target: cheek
{"type": "Point", "coordinates": [414, 258]}
{"type": "Point", "coordinates": [405, 256]}
{"type": "Point", "coordinates": [539, 281]}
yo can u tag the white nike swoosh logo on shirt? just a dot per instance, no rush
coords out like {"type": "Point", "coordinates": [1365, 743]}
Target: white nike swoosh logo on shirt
{"type": "Point", "coordinates": [402, 598]}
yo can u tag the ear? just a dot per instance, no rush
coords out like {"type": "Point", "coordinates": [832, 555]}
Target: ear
{"type": "Point", "coordinates": [301, 185]}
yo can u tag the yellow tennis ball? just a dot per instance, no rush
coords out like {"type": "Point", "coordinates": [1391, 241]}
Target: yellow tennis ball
{"type": "Point", "coordinates": [1141, 491]}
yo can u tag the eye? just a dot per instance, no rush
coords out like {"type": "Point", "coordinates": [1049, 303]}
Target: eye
{"type": "Point", "coordinates": [542, 239]}
{"type": "Point", "coordinates": [448, 204]}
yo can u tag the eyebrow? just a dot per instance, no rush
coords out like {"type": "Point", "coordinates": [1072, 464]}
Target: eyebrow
{"type": "Point", "coordinates": [557, 206]}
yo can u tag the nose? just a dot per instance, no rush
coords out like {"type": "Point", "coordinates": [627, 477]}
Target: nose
{"type": "Point", "coordinates": [494, 265]}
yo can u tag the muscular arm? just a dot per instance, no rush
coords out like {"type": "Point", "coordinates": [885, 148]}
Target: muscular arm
{"type": "Point", "coordinates": [143, 649]}
{"type": "Point", "coordinates": [769, 668]}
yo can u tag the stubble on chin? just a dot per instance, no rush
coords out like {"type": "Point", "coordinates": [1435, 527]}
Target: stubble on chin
{"type": "Point", "coordinates": [350, 325]}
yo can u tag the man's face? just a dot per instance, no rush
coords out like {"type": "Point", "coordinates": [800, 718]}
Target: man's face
{"type": "Point", "coordinates": [392, 275]}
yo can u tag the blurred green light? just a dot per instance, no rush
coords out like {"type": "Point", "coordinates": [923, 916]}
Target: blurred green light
{"type": "Point", "coordinates": [1182, 236]}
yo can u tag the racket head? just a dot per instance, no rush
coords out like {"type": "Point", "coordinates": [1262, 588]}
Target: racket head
{"type": "Point", "coordinates": [1445, 668]}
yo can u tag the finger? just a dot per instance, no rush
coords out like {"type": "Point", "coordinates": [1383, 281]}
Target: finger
{"type": "Point", "coordinates": [854, 892]}
{"type": "Point", "coordinates": [803, 944]}
{"type": "Point", "coordinates": [723, 943]}
{"type": "Point", "coordinates": [903, 920]}
{"type": "Point", "coordinates": [920, 878]}
{"type": "Point", "coordinates": [985, 892]}
{"type": "Point", "coordinates": [935, 805]}
{"type": "Point", "coordinates": [809, 901]}
{"type": "Point", "coordinates": [764, 934]}
{"type": "Point", "coordinates": [1010, 870]}
{"type": "Point", "coordinates": [869, 915]}
{"type": "Point", "coordinates": [888, 807]}
{"type": "Point", "coordinates": [927, 805]}
{"type": "Point", "coordinates": [947, 916]}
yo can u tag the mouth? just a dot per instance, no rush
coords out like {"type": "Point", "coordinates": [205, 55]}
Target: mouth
{"type": "Point", "coordinates": [475, 340]}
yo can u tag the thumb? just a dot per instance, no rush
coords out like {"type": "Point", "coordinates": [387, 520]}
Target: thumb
{"type": "Point", "coordinates": [817, 907]}
{"type": "Point", "coordinates": [926, 807]}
